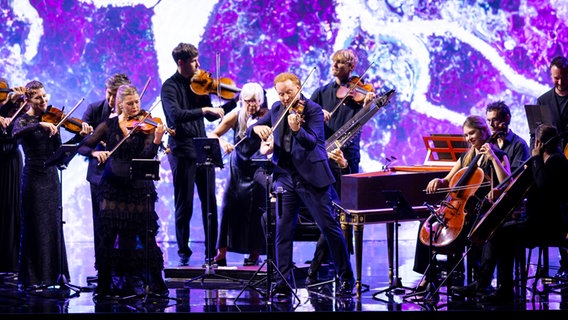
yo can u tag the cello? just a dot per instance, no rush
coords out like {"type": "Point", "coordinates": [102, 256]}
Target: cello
{"type": "Point", "coordinates": [447, 222]}
{"type": "Point", "coordinates": [514, 189]}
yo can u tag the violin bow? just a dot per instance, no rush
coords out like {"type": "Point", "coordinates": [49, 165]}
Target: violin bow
{"type": "Point", "coordinates": [350, 90]}
{"type": "Point", "coordinates": [136, 127]}
{"type": "Point", "coordinates": [66, 116]}
{"type": "Point", "coordinates": [23, 104]}
{"type": "Point", "coordinates": [145, 87]}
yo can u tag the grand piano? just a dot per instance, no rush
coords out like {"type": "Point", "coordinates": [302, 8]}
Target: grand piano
{"type": "Point", "coordinates": [363, 199]}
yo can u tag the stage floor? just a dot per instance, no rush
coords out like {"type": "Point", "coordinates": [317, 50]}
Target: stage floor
{"type": "Point", "coordinates": [237, 290]}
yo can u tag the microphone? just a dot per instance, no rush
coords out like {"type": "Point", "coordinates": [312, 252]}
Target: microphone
{"type": "Point", "coordinates": [435, 214]}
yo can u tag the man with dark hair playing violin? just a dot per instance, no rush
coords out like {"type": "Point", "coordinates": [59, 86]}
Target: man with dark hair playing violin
{"type": "Point", "coordinates": [185, 111]}
{"type": "Point", "coordinates": [483, 158]}
{"type": "Point", "coordinates": [337, 110]}
{"type": "Point", "coordinates": [302, 175]}
{"type": "Point", "coordinates": [543, 179]}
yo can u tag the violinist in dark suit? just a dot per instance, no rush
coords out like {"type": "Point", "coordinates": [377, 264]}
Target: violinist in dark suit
{"type": "Point", "coordinates": [303, 174]}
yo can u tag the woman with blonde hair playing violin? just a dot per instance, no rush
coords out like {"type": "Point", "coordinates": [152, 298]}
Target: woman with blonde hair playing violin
{"type": "Point", "coordinates": [126, 205]}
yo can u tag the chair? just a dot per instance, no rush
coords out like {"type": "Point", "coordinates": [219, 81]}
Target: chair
{"type": "Point", "coordinates": [542, 283]}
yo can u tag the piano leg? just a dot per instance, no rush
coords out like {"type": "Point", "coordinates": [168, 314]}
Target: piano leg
{"type": "Point", "coordinates": [390, 245]}
{"type": "Point", "coordinates": [358, 235]}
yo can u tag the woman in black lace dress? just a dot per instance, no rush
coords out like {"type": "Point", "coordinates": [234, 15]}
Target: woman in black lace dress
{"type": "Point", "coordinates": [42, 253]}
{"type": "Point", "coordinates": [126, 204]}
{"type": "Point", "coordinates": [11, 163]}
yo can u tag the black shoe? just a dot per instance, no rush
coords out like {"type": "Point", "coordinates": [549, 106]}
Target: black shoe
{"type": "Point", "coordinates": [282, 292]}
{"type": "Point", "coordinates": [251, 262]}
{"type": "Point", "coordinates": [183, 261]}
{"type": "Point", "coordinates": [220, 262]}
{"type": "Point", "coordinates": [346, 288]}
{"type": "Point", "coordinates": [471, 290]}
{"type": "Point", "coordinates": [501, 296]}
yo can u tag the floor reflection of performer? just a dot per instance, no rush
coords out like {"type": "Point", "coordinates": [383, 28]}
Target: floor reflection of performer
{"type": "Point", "coordinates": [495, 166]}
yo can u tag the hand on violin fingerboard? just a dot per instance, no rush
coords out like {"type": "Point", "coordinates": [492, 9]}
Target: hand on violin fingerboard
{"type": "Point", "coordinates": [294, 121]}
{"type": "Point", "coordinates": [86, 129]}
{"type": "Point", "coordinates": [218, 112]}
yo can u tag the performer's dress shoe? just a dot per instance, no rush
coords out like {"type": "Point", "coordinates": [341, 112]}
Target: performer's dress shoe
{"type": "Point", "coordinates": [346, 288]}
{"type": "Point", "coordinates": [471, 290]}
{"type": "Point", "coordinates": [282, 292]}
{"type": "Point", "coordinates": [251, 262]}
{"type": "Point", "coordinates": [502, 296]}
{"type": "Point", "coordinates": [220, 262]}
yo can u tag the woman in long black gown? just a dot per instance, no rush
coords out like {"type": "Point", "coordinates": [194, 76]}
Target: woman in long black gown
{"type": "Point", "coordinates": [11, 163]}
{"type": "Point", "coordinates": [126, 205]}
{"type": "Point", "coordinates": [43, 258]}
{"type": "Point", "coordinates": [241, 230]}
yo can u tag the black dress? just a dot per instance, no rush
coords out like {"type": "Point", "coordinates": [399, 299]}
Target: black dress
{"type": "Point", "coordinates": [243, 202]}
{"type": "Point", "coordinates": [11, 164]}
{"type": "Point", "coordinates": [43, 256]}
{"type": "Point", "coordinates": [126, 207]}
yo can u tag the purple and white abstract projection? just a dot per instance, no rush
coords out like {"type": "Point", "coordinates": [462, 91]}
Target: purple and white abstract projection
{"type": "Point", "coordinates": [445, 59]}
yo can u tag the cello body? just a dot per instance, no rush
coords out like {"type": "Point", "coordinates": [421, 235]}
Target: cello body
{"type": "Point", "coordinates": [447, 223]}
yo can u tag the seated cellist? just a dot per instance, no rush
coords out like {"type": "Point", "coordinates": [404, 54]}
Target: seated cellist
{"type": "Point", "coordinates": [483, 159]}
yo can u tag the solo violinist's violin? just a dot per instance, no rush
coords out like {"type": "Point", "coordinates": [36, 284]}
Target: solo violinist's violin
{"type": "Point", "coordinates": [203, 83]}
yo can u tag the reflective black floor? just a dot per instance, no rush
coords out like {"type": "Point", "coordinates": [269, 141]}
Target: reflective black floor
{"type": "Point", "coordinates": [213, 293]}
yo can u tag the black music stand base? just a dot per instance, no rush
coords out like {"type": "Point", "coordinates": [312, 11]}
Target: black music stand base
{"type": "Point", "coordinates": [396, 291]}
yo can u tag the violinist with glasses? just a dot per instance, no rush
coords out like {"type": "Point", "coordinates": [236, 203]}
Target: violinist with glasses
{"type": "Point", "coordinates": [42, 259]}
{"type": "Point", "coordinates": [546, 211]}
{"type": "Point", "coordinates": [468, 182]}
{"type": "Point", "coordinates": [125, 209]}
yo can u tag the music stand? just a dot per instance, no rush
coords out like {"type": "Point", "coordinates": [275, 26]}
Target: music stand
{"type": "Point", "coordinates": [271, 268]}
{"type": "Point", "coordinates": [146, 169]}
{"type": "Point", "coordinates": [60, 159]}
{"type": "Point", "coordinates": [208, 153]}
{"type": "Point", "coordinates": [401, 208]}
{"type": "Point", "coordinates": [537, 115]}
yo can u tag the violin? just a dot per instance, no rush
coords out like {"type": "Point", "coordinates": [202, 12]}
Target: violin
{"type": "Point", "coordinates": [148, 124]}
{"type": "Point", "coordinates": [55, 116]}
{"type": "Point", "coordinates": [354, 89]}
{"type": "Point", "coordinates": [4, 89]}
{"type": "Point", "coordinates": [203, 83]}
{"type": "Point", "coordinates": [298, 108]}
